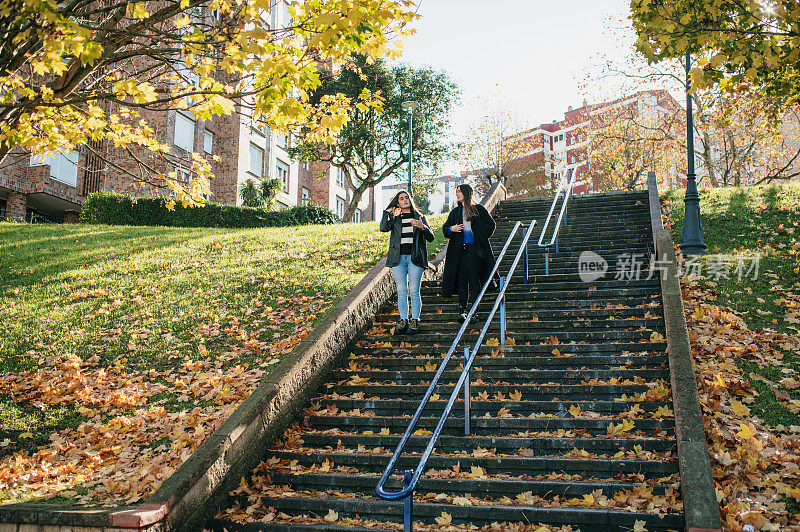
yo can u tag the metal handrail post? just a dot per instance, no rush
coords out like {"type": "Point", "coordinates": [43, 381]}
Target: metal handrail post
{"type": "Point", "coordinates": [408, 503]}
{"type": "Point", "coordinates": [503, 314]}
{"type": "Point", "coordinates": [467, 397]}
{"type": "Point", "coordinates": [547, 260]}
{"type": "Point", "coordinates": [525, 269]}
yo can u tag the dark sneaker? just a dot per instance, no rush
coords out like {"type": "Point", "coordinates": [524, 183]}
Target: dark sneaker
{"type": "Point", "coordinates": [402, 328]}
{"type": "Point", "coordinates": [413, 327]}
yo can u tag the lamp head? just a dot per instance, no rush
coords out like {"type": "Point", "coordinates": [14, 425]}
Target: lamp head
{"type": "Point", "coordinates": [410, 105]}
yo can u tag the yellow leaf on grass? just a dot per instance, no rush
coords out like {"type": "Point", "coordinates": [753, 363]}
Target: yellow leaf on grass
{"type": "Point", "coordinates": [516, 395]}
{"type": "Point", "coordinates": [575, 411]}
{"type": "Point", "coordinates": [384, 431]}
{"type": "Point", "coordinates": [739, 409]}
{"type": "Point", "coordinates": [331, 516]}
{"type": "Point", "coordinates": [788, 490]}
{"type": "Point", "coordinates": [422, 432]}
{"type": "Point", "coordinates": [790, 383]}
{"type": "Point", "coordinates": [26, 435]}
{"type": "Point", "coordinates": [435, 397]}
{"type": "Point", "coordinates": [746, 433]}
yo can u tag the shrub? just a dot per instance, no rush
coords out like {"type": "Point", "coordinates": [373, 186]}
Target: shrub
{"type": "Point", "coordinates": [123, 209]}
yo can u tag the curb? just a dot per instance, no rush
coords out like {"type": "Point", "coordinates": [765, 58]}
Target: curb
{"type": "Point", "coordinates": [701, 511]}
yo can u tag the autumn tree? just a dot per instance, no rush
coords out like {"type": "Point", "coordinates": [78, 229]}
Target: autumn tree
{"type": "Point", "coordinates": [493, 149]}
{"type": "Point", "coordinates": [741, 137]}
{"type": "Point", "coordinates": [746, 138]}
{"type": "Point", "coordinates": [76, 73]}
{"type": "Point", "coordinates": [373, 142]}
{"type": "Point", "coordinates": [750, 43]}
{"type": "Point", "coordinates": [630, 140]}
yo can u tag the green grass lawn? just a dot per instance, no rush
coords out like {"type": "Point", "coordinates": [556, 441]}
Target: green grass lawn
{"type": "Point", "coordinates": [99, 325]}
{"type": "Point", "coordinates": [752, 222]}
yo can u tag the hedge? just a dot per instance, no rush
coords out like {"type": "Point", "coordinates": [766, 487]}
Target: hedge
{"type": "Point", "coordinates": [123, 209]}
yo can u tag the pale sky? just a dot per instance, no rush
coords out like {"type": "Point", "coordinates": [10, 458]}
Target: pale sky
{"type": "Point", "coordinates": [537, 52]}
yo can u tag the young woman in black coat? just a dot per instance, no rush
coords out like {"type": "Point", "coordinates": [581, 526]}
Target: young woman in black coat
{"type": "Point", "coordinates": [407, 257]}
{"type": "Point", "coordinates": [469, 259]}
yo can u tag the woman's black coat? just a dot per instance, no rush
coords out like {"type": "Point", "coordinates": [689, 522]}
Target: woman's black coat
{"type": "Point", "coordinates": [482, 227]}
{"type": "Point", "coordinates": [419, 252]}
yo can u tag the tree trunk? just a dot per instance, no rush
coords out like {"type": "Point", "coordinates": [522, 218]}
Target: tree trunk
{"type": "Point", "coordinates": [351, 208]}
{"type": "Point", "coordinates": [706, 155]}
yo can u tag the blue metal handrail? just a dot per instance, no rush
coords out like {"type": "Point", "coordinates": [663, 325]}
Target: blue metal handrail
{"type": "Point", "coordinates": [565, 190]}
{"type": "Point", "coordinates": [412, 476]}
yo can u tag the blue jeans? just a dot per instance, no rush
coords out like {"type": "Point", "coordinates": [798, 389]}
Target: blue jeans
{"type": "Point", "coordinates": [408, 274]}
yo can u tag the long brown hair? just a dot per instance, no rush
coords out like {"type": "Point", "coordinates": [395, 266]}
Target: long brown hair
{"type": "Point", "coordinates": [396, 203]}
{"type": "Point", "coordinates": [470, 211]}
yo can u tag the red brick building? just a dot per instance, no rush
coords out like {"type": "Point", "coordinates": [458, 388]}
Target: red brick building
{"type": "Point", "coordinates": [568, 144]}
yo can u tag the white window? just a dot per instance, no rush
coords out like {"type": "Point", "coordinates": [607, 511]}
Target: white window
{"type": "Point", "coordinates": [283, 141]}
{"type": "Point", "coordinates": [184, 132]}
{"type": "Point", "coordinates": [208, 142]}
{"type": "Point", "coordinates": [283, 173]}
{"type": "Point", "coordinates": [304, 198]}
{"type": "Point", "coordinates": [339, 207]}
{"type": "Point", "coordinates": [282, 19]}
{"type": "Point", "coordinates": [340, 177]}
{"type": "Point", "coordinates": [63, 167]}
{"type": "Point", "coordinates": [256, 160]}
{"type": "Point", "coordinates": [447, 193]}
{"type": "Point", "coordinates": [357, 216]}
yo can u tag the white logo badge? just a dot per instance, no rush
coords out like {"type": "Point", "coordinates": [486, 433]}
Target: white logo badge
{"type": "Point", "coordinates": [591, 266]}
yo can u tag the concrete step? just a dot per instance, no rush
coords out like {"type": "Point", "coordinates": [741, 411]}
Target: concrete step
{"type": "Point", "coordinates": [587, 519]}
{"type": "Point", "coordinates": [613, 348]}
{"type": "Point", "coordinates": [551, 362]}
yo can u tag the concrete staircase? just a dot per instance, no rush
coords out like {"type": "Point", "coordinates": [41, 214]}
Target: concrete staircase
{"type": "Point", "coordinates": [572, 421]}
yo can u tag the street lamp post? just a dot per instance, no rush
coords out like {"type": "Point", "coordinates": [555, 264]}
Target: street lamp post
{"type": "Point", "coordinates": [410, 106]}
{"type": "Point", "coordinates": [692, 242]}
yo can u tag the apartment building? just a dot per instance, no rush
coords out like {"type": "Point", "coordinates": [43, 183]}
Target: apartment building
{"type": "Point", "coordinates": [559, 147]}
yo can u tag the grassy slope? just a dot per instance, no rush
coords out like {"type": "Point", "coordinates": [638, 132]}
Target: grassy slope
{"type": "Point", "coordinates": [749, 221]}
{"type": "Point", "coordinates": [144, 306]}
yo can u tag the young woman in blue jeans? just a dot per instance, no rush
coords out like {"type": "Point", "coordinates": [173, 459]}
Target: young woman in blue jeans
{"type": "Point", "coordinates": [407, 256]}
